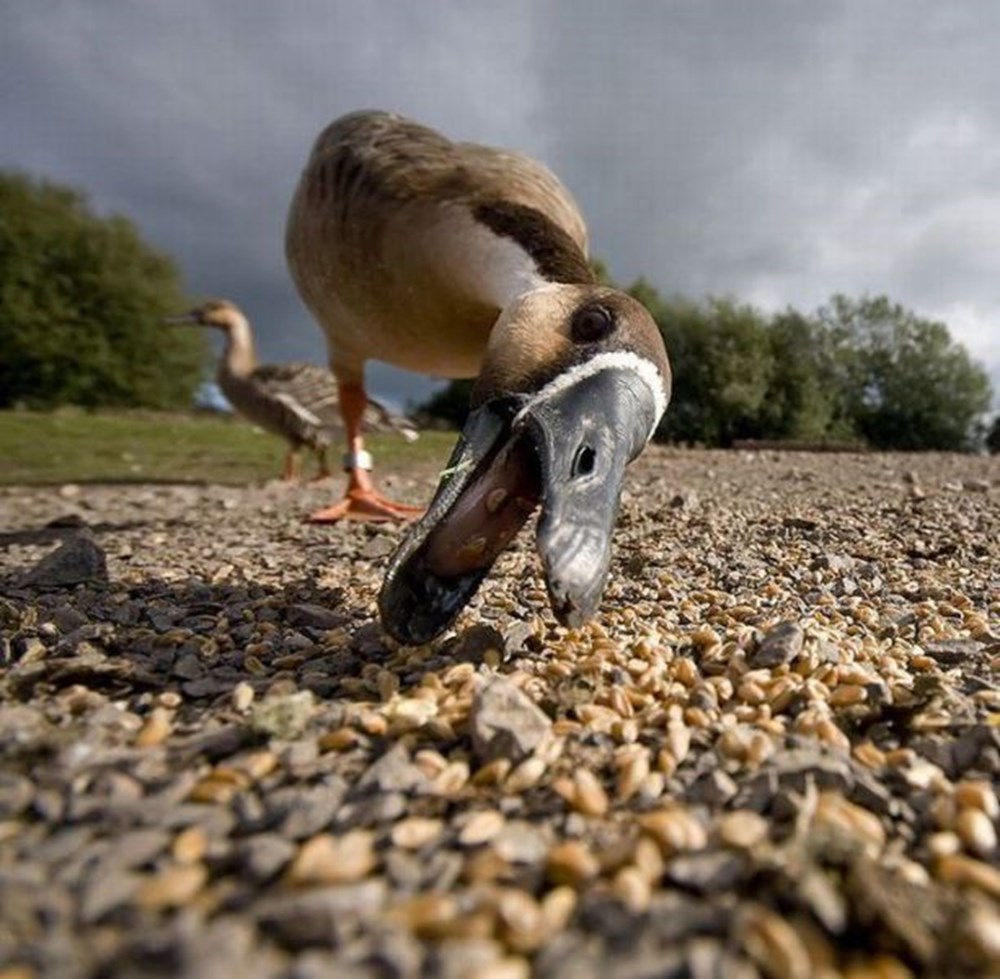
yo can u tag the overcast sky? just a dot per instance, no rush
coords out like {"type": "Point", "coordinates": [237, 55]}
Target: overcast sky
{"type": "Point", "coordinates": [777, 152]}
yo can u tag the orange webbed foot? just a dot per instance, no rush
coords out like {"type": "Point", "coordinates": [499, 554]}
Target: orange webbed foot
{"type": "Point", "coordinates": [367, 505]}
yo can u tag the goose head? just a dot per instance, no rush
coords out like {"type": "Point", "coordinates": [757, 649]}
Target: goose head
{"type": "Point", "coordinates": [219, 313]}
{"type": "Point", "coordinates": [573, 384]}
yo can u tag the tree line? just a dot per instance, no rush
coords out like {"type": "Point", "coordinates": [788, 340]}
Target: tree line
{"type": "Point", "coordinates": [82, 298]}
{"type": "Point", "coordinates": [856, 370]}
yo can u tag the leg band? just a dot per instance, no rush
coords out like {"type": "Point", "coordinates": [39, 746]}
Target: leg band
{"type": "Point", "coordinates": [358, 460]}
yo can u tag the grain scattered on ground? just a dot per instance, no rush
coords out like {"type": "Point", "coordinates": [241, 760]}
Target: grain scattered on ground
{"type": "Point", "coordinates": [774, 754]}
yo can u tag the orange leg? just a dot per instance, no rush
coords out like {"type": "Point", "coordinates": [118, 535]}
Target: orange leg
{"type": "Point", "coordinates": [291, 470]}
{"type": "Point", "coordinates": [322, 466]}
{"type": "Point", "coordinates": [361, 501]}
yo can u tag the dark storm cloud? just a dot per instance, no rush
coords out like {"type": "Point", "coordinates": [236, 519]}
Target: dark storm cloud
{"type": "Point", "coordinates": [774, 151]}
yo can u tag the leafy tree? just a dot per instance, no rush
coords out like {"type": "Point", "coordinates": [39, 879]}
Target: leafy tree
{"type": "Point", "coordinates": [450, 404]}
{"type": "Point", "coordinates": [802, 401]}
{"type": "Point", "coordinates": [905, 383]}
{"type": "Point", "coordinates": [722, 365]}
{"type": "Point", "coordinates": [81, 300]}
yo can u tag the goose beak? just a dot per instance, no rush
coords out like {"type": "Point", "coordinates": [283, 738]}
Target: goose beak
{"type": "Point", "coordinates": [183, 318]}
{"type": "Point", "coordinates": [565, 449]}
{"type": "Point", "coordinates": [586, 436]}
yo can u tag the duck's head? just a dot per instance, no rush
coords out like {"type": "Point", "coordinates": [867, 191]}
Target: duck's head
{"type": "Point", "coordinates": [572, 387]}
{"type": "Point", "coordinates": [220, 313]}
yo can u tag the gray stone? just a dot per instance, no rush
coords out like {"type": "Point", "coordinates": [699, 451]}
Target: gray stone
{"type": "Point", "coordinates": [227, 947]}
{"type": "Point", "coordinates": [952, 652]}
{"type": "Point", "coordinates": [976, 485]}
{"type": "Point", "coordinates": [977, 749]}
{"type": "Point", "coordinates": [323, 964]}
{"type": "Point", "coordinates": [573, 954]}
{"type": "Point", "coordinates": [214, 744]}
{"type": "Point", "coordinates": [263, 856]}
{"type": "Point", "coordinates": [68, 618]}
{"type": "Point", "coordinates": [395, 954]}
{"type": "Point", "coordinates": [828, 652]}
{"type": "Point", "coordinates": [405, 870]}
{"type": "Point", "coordinates": [674, 916]}
{"type": "Point", "coordinates": [283, 717]}
{"type": "Point", "coordinates": [375, 809]}
{"type": "Point", "coordinates": [378, 547]}
{"type": "Point", "coordinates": [713, 788]}
{"type": "Point", "coordinates": [319, 917]}
{"type": "Point", "coordinates": [24, 730]}
{"type": "Point", "coordinates": [781, 645]}
{"type": "Point", "coordinates": [309, 616]}
{"type": "Point", "coordinates": [522, 842]}
{"type": "Point", "coordinates": [305, 811]}
{"type": "Point", "coordinates": [107, 892]}
{"type": "Point", "coordinates": [188, 667]}
{"type": "Point", "coordinates": [250, 813]}
{"type": "Point", "coordinates": [64, 846]}
{"type": "Point", "coordinates": [215, 821]}
{"type": "Point", "coordinates": [517, 636]}
{"type": "Point", "coordinates": [505, 722]}
{"type": "Point", "coordinates": [368, 641]}
{"type": "Point", "coordinates": [706, 872]}
{"type": "Point", "coordinates": [77, 560]}
{"type": "Point", "coordinates": [797, 766]}
{"type": "Point", "coordinates": [869, 793]}
{"type": "Point", "coordinates": [207, 686]}
{"type": "Point", "coordinates": [757, 792]}
{"type": "Point", "coordinates": [299, 758]}
{"type": "Point", "coordinates": [837, 563]}
{"type": "Point", "coordinates": [392, 772]}
{"type": "Point", "coordinates": [73, 520]}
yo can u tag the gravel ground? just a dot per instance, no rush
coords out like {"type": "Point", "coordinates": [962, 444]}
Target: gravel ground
{"type": "Point", "coordinates": [776, 753]}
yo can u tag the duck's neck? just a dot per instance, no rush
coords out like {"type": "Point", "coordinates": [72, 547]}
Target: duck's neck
{"type": "Point", "coordinates": [504, 251]}
{"type": "Point", "coordinates": [240, 357]}
{"type": "Point", "coordinates": [537, 251]}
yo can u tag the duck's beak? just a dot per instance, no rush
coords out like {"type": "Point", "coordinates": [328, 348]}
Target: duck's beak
{"type": "Point", "coordinates": [586, 436]}
{"type": "Point", "coordinates": [565, 448]}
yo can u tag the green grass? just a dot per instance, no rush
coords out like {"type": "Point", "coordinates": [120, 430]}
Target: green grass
{"type": "Point", "coordinates": [79, 447]}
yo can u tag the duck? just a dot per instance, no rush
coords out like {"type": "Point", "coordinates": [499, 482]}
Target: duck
{"type": "Point", "coordinates": [457, 259]}
{"type": "Point", "coordinates": [297, 401]}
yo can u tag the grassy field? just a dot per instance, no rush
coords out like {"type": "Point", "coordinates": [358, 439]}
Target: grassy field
{"type": "Point", "coordinates": [79, 447]}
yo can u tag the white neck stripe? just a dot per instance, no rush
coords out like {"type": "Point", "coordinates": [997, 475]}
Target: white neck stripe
{"type": "Point", "coordinates": [611, 360]}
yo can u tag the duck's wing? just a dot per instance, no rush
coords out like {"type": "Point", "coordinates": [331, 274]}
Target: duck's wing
{"type": "Point", "coordinates": [307, 394]}
{"type": "Point", "coordinates": [303, 399]}
{"type": "Point", "coordinates": [379, 418]}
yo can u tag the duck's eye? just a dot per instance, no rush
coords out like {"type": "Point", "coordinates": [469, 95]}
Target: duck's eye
{"type": "Point", "coordinates": [592, 323]}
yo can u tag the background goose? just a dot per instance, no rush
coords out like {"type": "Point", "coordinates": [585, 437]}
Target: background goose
{"type": "Point", "coordinates": [296, 401]}
{"type": "Point", "coordinates": [461, 260]}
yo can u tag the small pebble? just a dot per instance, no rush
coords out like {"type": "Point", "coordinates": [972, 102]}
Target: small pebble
{"type": "Point", "coordinates": [172, 887]}
{"type": "Point", "coordinates": [327, 859]}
